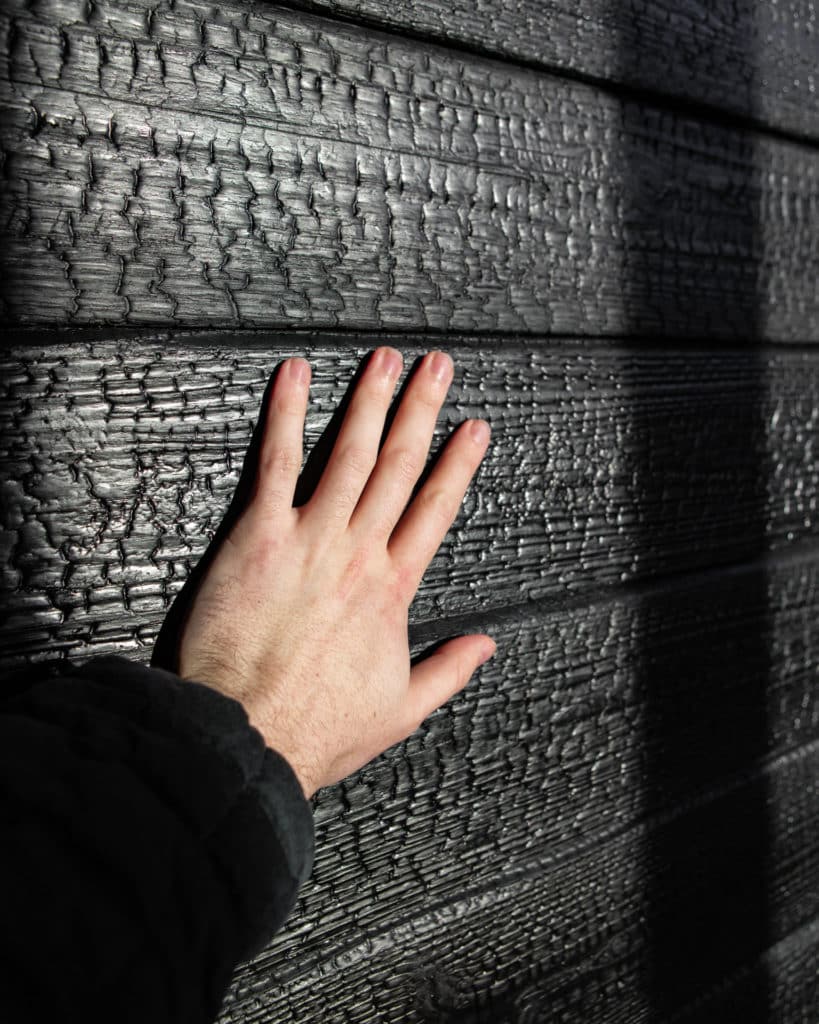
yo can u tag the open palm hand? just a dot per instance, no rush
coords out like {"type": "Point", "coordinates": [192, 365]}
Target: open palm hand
{"type": "Point", "coordinates": [303, 614]}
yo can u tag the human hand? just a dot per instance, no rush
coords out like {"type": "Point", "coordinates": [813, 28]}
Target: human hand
{"type": "Point", "coordinates": [302, 615]}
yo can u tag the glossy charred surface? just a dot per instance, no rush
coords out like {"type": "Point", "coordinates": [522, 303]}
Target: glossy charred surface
{"type": "Point", "coordinates": [608, 216]}
{"type": "Point", "coordinates": [171, 165]}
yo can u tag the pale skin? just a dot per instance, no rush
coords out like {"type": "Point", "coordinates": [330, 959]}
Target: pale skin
{"type": "Point", "coordinates": [303, 614]}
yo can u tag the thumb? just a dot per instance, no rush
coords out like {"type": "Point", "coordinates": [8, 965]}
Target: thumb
{"type": "Point", "coordinates": [443, 674]}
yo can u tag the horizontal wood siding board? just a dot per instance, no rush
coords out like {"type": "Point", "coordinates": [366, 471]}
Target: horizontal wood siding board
{"type": "Point", "coordinates": [120, 460]}
{"type": "Point", "coordinates": [553, 928]}
{"type": "Point", "coordinates": [558, 718]}
{"type": "Point", "coordinates": [278, 170]}
{"type": "Point", "coordinates": [783, 982]}
{"type": "Point", "coordinates": [755, 60]}
{"type": "Point", "coordinates": [642, 754]}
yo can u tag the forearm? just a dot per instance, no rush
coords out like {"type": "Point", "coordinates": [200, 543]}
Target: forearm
{"type": "Point", "coordinates": [152, 843]}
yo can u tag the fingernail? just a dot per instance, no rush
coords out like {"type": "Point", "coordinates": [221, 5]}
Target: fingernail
{"type": "Point", "coordinates": [488, 651]}
{"type": "Point", "coordinates": [479, 431]}
{"type": "Point", "coordinates": [389, 362]}
{"type": "Point", "coordinates": [441, 365]}
{"type": "Point", "coordinates": [299, 370]}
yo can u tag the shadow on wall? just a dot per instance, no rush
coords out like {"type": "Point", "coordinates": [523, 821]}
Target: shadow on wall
{"type": "Point", "coordinates": [704, 871]}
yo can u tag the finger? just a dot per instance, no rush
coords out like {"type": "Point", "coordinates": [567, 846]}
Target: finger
{"type": "Point", "coordinates": [439, 677]}
{"type": "Point", "coordinates": [405, 451]}
{"type": "Point", "coordinates": [283, 444]}
{"type": "Point", "coordinates": [433, 510]}
{"type": "Point", "coordinates": [356, 448]}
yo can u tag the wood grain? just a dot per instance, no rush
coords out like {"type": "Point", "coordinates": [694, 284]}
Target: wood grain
{"type": "Point", "coordinates": [182, 167]}
{"type": "Point", "coordinates": [756, 60]}
{"type": "Point", "coordinates": [512, 856]}
{"type": "Point", "coordinates": [510, 853]}
{"type": "Point", "coordinates": [557, 930]}
{"type": "Point", "coordinates": [783, 985]}
{"type": "Point", "coordinates": [121, 458]}
{"type": "Point", "coordinates": [619, 250]}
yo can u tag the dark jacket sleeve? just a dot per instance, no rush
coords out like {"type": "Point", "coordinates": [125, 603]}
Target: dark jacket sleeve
{"type": "Point", "coordinates": [150, 842]}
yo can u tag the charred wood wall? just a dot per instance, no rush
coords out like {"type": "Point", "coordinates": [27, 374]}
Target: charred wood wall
{"type": "Point", "coordinates": [609, 215]}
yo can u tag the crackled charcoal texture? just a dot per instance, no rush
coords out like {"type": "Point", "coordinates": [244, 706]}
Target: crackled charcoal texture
{"type": "Point", "coordinates": [608, 214]}
{"type": "Point", "coordinates": [191, 165]}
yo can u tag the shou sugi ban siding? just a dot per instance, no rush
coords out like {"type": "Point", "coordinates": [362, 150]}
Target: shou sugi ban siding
{"type": "Point", "coordinates": [610, 219]}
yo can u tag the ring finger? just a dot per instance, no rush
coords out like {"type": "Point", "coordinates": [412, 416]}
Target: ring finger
{"type": "Point", "coordinates": [426, 522]}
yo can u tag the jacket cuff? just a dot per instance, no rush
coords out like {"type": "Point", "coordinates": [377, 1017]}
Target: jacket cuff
{"type": "Point", "coordinates": [268, 793]}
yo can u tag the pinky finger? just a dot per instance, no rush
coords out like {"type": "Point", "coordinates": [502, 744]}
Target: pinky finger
{"type": "Point", "coordinates": [439, 677]}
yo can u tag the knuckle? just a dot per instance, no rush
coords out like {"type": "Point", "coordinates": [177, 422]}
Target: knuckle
{"type": "Point", "coordinates": [340, 502]}
{"type": "Point", "coordinates": [356, 459]}
{"type": "Point", "coordinates": [282, 460]}
{"type": "Point", "coordinates": [438, 504]}
{"type": "Point", "coordinates": [407, 464]}
{"type": "Point", "coordinates": [268, 548]}
{"type": "Point", "coordinates": [403, 583]}
{"type": "Point", "coordinates": [353, 572]}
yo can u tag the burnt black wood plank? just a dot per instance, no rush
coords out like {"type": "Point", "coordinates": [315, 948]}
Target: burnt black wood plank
{"type": "Point", "coordinates": [756, 60]}
{"type": "Point", "coordinates": [556, 722]}
{"type": "Point", "coordinates": [516, 851]}
{"type": "Point", "coordinates": [782, 986]}
{"type": "Point", "coordinates": [558, 934]}
{"type": "Point", "coordinates": [281, 170]}
{"type": "Point", "coordinates": [120, 458]}
{"type": "Point", "coordinates": [543, 759]}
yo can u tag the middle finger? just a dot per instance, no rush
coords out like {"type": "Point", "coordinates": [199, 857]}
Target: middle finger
{"type": "Point", "coordinates": [405, 451]}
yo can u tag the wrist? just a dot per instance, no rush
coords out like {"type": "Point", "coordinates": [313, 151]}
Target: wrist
{"type": "Point", "coordinates": [273, 738]}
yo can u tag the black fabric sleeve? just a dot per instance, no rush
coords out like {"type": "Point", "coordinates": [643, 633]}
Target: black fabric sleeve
{"type": "Point", "coordinates": [150, 842]}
